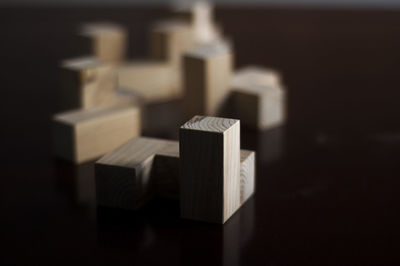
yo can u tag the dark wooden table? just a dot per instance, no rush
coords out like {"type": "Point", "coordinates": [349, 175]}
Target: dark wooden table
{"type": "Point", "coordinates": [327, 182]}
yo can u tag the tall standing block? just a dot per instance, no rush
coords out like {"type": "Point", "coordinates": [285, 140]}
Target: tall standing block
{"type": "Point", "coordinates": [207, 71]}
{"type": "Point", "coordinates": [210, 168]}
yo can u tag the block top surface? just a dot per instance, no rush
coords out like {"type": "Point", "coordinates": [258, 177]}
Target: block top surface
{"type": "Point", "coordinates": [244, 154]}
{"type": "Point", "coordinates": [217, 48]}
{"type": "Point", "coordinates": [135, 151]}
{"type": "Point", "coordinates": [81, 63]}
{"type": "Point", "coordinates": [210, 124]}
{"type": "Point", "coordinates": [78, 116]}
{"type": "Point", "coordinates": [256, 80]}
{"type": "Point", "coordinates": [171, 26]}
{"type": "Point", "coordinates": [100, 28]}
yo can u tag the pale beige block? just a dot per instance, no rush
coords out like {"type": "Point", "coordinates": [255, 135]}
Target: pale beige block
{"type": "Point", "coordinates": [169, 40]}
{"type": "Point", "coordinates": [207, 71]}
{"type": "Point", "coordinates": [247, 175]}
{"type": "Point", "coordinates": [106, 40]}
{"type": "Point", "coordinates": [85, 83]}
{"type": "Point", "coordinates": [152, 81]}
{"type": "Point", "coordinates": [258, 99]}
{"type": "Point", "coordinates": [83, 135]}
{"type": "Point", "coordinates": [125, 177]}
{"type": "Point", "coordinates": [210, 168]}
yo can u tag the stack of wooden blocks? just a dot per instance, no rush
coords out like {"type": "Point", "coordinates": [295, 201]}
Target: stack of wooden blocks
{"type": "Point", "coordinates": [206, 170]}
{"type": "Point", "coordinates": [105, 98]}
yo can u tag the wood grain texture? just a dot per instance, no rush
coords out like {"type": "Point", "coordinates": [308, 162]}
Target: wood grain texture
{"type": "Point", "coordinates": [247, 175]}
{"type": "Point", "coordinates": [107, 41]}
{"type": "Point", "coordinates": [126, 177]}
{"type": "Point", "coordinates": [153, 81]}
{"type": "Point", "coordinates": [258, 98]}
{"type": "Point", "coordinates": [83, 135]}
{"type": "Point", "coordinates": [207, 71]}
{"type": "Point", "coordinates": [210, 168]}
{"type": "Point", "coordinates": [86, 82]}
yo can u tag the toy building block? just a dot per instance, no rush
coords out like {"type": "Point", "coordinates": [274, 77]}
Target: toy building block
{"type": "Point", "coordinates": [247, 175]}
{"type": "Point", "coordinates": [209, 168]}
{"type": "Point", "coordinates": [169, 40]}
{"type": "Point", "coordinates": [125, 178]}
{"type": "Point", "coordinates": [152, 81]}
{"type": "Point", "coordinates": [106, 41]}
{"type": "Point", "coordinates": [207, 71]}
{"type": "Point", "coordinates": [83, 135]}
{"type": "Point", "coordinates": [86, 83]}
{"type": "Point", "coordinates": [258, 99]}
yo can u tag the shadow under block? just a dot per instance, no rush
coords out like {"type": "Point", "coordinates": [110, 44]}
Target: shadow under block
{"type": "Point", "coordinates": [150, 80]}
{"type": "Point", "coordinates": [125, 177]}
{"type": "Point", "coordinates": [207, 71]}
{"type": "Point", "coordinates": [145, 167]}
{"type": "Point", "coordinates": [258, 99]}
{"type": "Point", "coordinates": [83, 135]}
{"type": "Point", "coordinates": [169, 40]}
{"type": "Point", "coordinates": [86, 83]}
{"type": "Point", "coordinates": [106, 41]}
{"type": "Point", "coordinates": [209, 168]}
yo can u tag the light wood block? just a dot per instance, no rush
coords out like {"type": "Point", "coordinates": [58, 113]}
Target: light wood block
{"type": "Point", "coordinates": [247, 175]}
{"type": "Point", "coordinates": [207, 71]}
{"type": "Point", "coordinates": [169, 40]}
{"type": "Point", "coordinates": [152, 81]}
{"type": "Point", "coordinates": [83, 135]}
{"type": "Point", "coordinates": [258, 99]}
{"type": "Point", "coordinates": [210, 168]}
{"type": "Point", "coordinates": [125, 177]}
{"type": "Point", "coordinates": [86, 82]}
{"type": "Point", "coordinates": [107, 41]}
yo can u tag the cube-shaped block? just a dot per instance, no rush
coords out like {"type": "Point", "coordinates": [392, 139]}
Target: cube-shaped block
{"type": "Point", "coordinates": [210, 168]}
{"type": "Point", "coordinates": [86, 82]}
{"type": "Point", "coordinates": [258, 99]}
{"type": "Point", "coordinates": [83, 135]}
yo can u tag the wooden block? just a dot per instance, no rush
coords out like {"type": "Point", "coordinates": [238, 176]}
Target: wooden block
{"type": "Point", "coordinates": [210, 168]}
{"type": "Point", "coordinates": [247, 175]}
{"type": "Point", "coordinates": [152, 81]}
{"type": "Point", "coordinates": [85, 83]}
{"type": "Point", "coordinates": [107, 41]}
{"type": "Point", "coordinates": [169, 40]}
{"type": "Point", "coordinates": [258, 99]}
{"type": "Point", "coordinates": [83, 135]}
{"type": "Point", "coordinates": [207, 71]}
{"type": "Point", "coordinates": [124, 177]}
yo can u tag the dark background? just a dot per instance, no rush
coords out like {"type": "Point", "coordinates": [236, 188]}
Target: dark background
{"type": "Point", "coordinates": [327, 182]}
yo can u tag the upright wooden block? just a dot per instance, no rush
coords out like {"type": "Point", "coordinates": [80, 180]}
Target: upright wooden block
{"type": "Point", "coordinates": [210, 168]}
{"type": "Point", "coordinates": [125, 177]}
{"type": "Point", "coordinates": [86, 82]}
{"type": "Point", "coordinates": [83, 135]}
{"type": "Point", "coordinates": [207, 71]}
{"type": "Point", "coordinates": [107, 41]}
{"type": "Point", "coordinates": [258, 99]}
{"type": "Point", "coordinates": [169, 40]}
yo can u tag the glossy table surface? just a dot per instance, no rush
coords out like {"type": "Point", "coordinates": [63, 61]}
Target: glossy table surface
{"type": "Point", "coordinates": [327, 182]}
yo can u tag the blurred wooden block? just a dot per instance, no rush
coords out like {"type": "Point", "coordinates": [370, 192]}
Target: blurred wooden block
{"type": "Point", "coordinates": [150, 80]}
{"type": "Point", "coordinates": [83, 135]}
{"type": "Point", "coordinates": [207, 71]}
{"type": "Point", "coordinates": [107, 41]}
{"type": "Point", "coordinates": [258, 99]}
{"type": "Point", "coordinates": [247, 175]}
{"type": "Point", "coordinates": [125, 177]}
{"type": "Point", "coordinates": [169, 40]}
{"type": "Point", "coordinates": [210, 168]}
{"type": "Point", "coordinates": [86, 82]}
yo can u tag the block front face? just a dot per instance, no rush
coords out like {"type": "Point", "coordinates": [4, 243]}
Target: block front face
{"type": "Point", "coordinates": [209, 168]}
{"type": "Point", "coordinates": [194, 83]}
{"type": "Point", "coordinates": [247, 175]}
